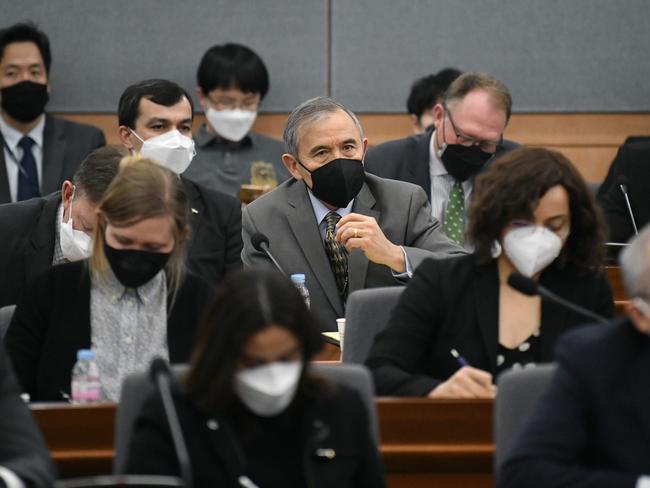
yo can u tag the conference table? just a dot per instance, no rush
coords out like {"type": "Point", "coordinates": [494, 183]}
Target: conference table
{"type": "Point", "coordinates": [424, 442]}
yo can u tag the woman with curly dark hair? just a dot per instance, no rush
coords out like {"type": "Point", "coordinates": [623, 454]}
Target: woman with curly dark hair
{"type": "Point", "coordinates": [458, 324]}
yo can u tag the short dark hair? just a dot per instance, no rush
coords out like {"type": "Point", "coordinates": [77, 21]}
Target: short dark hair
{"type": "Point", "coordinates": [246, 303]}
{"type": "Point", "coordinates": [27, 32]}
{"type": "Point", "coordinates": [232, 66]}
{"type": "Point", "coordinates": [161, 92]}
{"type": "Point", "coordinates": [510, 189]}
{"type": "Point", "coordinates": [97, 171]}
{"type": "Point", "coordinates": [426, 91]}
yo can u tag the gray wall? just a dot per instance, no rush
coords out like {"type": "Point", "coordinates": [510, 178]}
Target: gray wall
{"type": "Point", "coordinates": [571, 55]}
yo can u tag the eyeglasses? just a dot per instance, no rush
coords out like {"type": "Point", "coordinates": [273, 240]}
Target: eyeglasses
{"type": "Point", "coordinates": [465, 140]}
{"type": "Point", "coordinates": [227, 103]}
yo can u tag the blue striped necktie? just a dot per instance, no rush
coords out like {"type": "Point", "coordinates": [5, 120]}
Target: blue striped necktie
{"type": "Point", "coordinates": [27, 175]}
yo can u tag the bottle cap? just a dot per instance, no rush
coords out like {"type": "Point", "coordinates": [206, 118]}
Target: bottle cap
{"type": "Point", "coordinates": [298, 278]}
{"type": "Point", "coordinates": [85, 355]}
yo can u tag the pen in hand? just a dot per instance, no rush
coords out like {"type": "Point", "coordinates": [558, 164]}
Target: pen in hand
{"type": "Point", "coordinates": [460, 359]}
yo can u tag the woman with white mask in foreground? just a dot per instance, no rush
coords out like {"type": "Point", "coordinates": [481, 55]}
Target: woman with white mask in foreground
{"type": "Point", "coordinates": [459, 324]}
{"type": "Point", "coordinates": [251, 412]}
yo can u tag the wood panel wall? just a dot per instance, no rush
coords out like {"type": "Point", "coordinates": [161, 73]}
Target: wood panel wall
{"type": "Point", "coordinates": [590, 141]}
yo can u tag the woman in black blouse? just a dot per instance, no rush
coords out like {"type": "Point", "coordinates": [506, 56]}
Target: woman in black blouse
{"type": "Point", "coordinates": [458, 323]}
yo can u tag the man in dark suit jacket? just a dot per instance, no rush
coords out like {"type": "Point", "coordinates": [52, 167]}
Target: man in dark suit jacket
{"type": "Point", "coordinates": [467, 133]}
{"type": "Point", "coordinates": [385, 226]}
{"type": "Point", "coordinates": [24, 457]}
{"type": "Point", "coordinates": [591, 428]}
{"type": "Point", "coordinates": [34, 231]}
{"type": "Point", "coordinates": [153, 108]}
{"type": "Point", "coordinates": [39, 151]}
{"type": "Point", "coordinates": [631, 167]}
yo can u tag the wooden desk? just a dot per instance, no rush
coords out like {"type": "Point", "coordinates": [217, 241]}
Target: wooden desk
{"type": "Point", "coordinates": [616, 282]}
{"type": "Point", "coordinates": [423, 442]}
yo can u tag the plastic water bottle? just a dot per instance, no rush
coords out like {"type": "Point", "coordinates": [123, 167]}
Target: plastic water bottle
{"type": "Point", "coordinates": [299, 281]}
{"type": "Point", "coordinates": [86, 386]}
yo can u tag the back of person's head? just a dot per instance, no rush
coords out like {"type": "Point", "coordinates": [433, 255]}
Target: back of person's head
{"type": "Point", "coordinates": [468, 82]}
{"type": "Point", "coordinates": [307, 113]}
{"type": "Point", "coordinates": [27, 32]}
{"type": "Point", "coordinates": [510, 189]}
{"type": "Point", "coordinates": [228, 66]}
{"type": "Point", "coordinates": [143, 189]}
{"type": "Point", "coordinates": [245, 304]}
{"type": "Point", "coordinates": [160, 92]}
{"type": "Point", "coordinates": [634, 265]}
{"type": "Point", "coordinates": [429, 90]}
{"type": "Point", "coordinates": [97, 171]}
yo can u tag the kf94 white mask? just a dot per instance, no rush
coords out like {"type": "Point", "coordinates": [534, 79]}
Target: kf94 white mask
{"type": "Point", "coordinates": [75, 244]}
{"type": "Point", "coordinates": [531, 248]}
{"type": "Point", "coordinates": [172, 150]}
{"type": "Point", "coordinates": [231, 124]}
{"type": "Point", "coordinates": [269, 389]}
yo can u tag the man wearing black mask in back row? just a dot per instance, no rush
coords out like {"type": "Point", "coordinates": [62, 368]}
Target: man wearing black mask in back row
{"type": "Point", "coordinates": [467, 134]}
{"type": "Point", "coordinates": [343, 228]}
{"type": "Point", "coordinates": [39, 152]}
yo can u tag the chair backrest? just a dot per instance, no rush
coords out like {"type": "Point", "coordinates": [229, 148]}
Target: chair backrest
{"type": "Point", "coordinates": [518, 392]}
{"type": "Point", "coordinates": [6, 314]}
{"type": "Point", "coordinates": [366, 314]}
{"type": "Point", "coordinates": [137, 387]}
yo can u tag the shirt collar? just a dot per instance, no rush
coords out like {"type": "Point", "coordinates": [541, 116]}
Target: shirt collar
{"type": "Point", "coordinates": [204, 137]}
{"type": "Point", "coordinates": [12, 136]}
{"type": "Point", "coordinates": [320, 210]}
{"type": "Point", "coordinates": [144, 293]}
{"type": "Point", "coordinates": [437, 168]}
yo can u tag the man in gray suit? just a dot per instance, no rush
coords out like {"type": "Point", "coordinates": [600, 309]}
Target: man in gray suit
{"type": "Point", "coordinates": [343, 228]}
{"type": "Point", "coordinates": [38, 151]}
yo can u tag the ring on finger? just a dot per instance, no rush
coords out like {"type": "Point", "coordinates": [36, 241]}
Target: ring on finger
{"type": "Point", "coordinates": [356, 232]}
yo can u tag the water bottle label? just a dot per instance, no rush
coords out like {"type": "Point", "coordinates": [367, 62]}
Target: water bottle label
{"type": "Point", "coordinates": [85, 393]}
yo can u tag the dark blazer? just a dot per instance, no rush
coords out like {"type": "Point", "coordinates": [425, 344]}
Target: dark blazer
{"type": "Point", "coordinates": [52, 322]}
{"type": "Point", "coordinates": [336, 420]}
{"type": "Point", "coordinates": [286, 216]}
{"type": "Point", "coordinates": [454, 304]}
{"type": "Point", "coordinates": [407, 159]}
{"type": "Point", "coordinates": [215, 243]}
{"type": "Point", "coordinates": [65, 145]}
{"type": "Point", "coordinates": [27, 244]}
{"type": "Point", "coordinates": [591, 427]}
{"type": "Point", "coordinates": [633, 162]}
{"type": "Point", "coordinates": [22, 449]}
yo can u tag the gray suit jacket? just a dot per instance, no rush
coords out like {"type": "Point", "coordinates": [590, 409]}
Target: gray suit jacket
{"type": "Point", "coordinates": [286, 217]}
{"type": "Point", "coordinates": [65, 146]}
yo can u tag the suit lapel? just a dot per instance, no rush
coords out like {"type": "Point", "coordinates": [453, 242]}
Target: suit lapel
{"type": "Point", "coordinates": [364, 204]}
{"type": "Point", "coordinates": [486, 290]}
{"type": "Point", "coordinates": [554, 318]}
{"type": "Point", "coordinates": [5, 193]}
{"type": "Point", "coordinates": [197, 210]}
{"type": "Point", "coordinates": [418, 166]}
{"type": "Point", "coordinates": [40, 252]}
{"type": "Point", "coordinates": [303, 224]}
{"type": "Point", "coordinates": [53, 155]}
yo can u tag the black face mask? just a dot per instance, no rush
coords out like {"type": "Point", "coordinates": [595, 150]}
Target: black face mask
{"type": "Point", "coordinates": [338, 181]}
{"type": "Point", "coordinates": [24, 101]}
{"type": "Point", "coordinates": [135, 268]}
{"type": "Point", "coordinates": [463, 162]}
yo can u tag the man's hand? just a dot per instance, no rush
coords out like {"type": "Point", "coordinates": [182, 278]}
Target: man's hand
{"type": "Point", "coordinates": [357, 231]}
{"type": "Point", "coordinates": [467, 382]}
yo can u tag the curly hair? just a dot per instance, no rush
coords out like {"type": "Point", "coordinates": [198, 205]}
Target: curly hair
{"type": "Point", "coordinates": [511, 188]}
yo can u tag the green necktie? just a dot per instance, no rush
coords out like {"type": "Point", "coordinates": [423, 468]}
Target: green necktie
{"type": "Point", "coordinates": [336, 253]}
{"type": "Point", "coordinates": [454, 226]}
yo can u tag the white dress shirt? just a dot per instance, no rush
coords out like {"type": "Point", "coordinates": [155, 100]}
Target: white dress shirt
{"type": "Point", "coordinates": [10, 478]}
{"type": "Point", "coordinates": [14, 153]}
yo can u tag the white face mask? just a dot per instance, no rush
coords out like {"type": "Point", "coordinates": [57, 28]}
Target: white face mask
{"type": "Point", "coordinates": [231, 124]}
{"type": "Point", "coordinates": [75, 244]}
{"type": "Point", "coordinates": [172, 150]}
{"type": "Point", "coordinates": [531, 248]}
{"type": "Point", "coordinates": [269, 389]}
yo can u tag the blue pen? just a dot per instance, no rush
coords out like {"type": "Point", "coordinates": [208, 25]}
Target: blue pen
{"type": "Point", "coordinates": [461, 360]}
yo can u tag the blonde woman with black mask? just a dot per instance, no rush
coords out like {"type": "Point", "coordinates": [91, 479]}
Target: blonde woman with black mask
{"type": "Point", "coordinates": [131, 301]}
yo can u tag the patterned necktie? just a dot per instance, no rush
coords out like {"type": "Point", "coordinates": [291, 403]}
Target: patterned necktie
{"type": "Point", "coordinates": [27, 175]}
{"type": "Point", "coordinates": [336, 253]}
{"type": "Point", "coordinates": [454, 226]}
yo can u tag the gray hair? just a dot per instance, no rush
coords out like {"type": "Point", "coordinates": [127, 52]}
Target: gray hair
{"type": "Point", "coordinates": [634, 265]}
{"type": "Point", "coordinates": [309, 112]}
